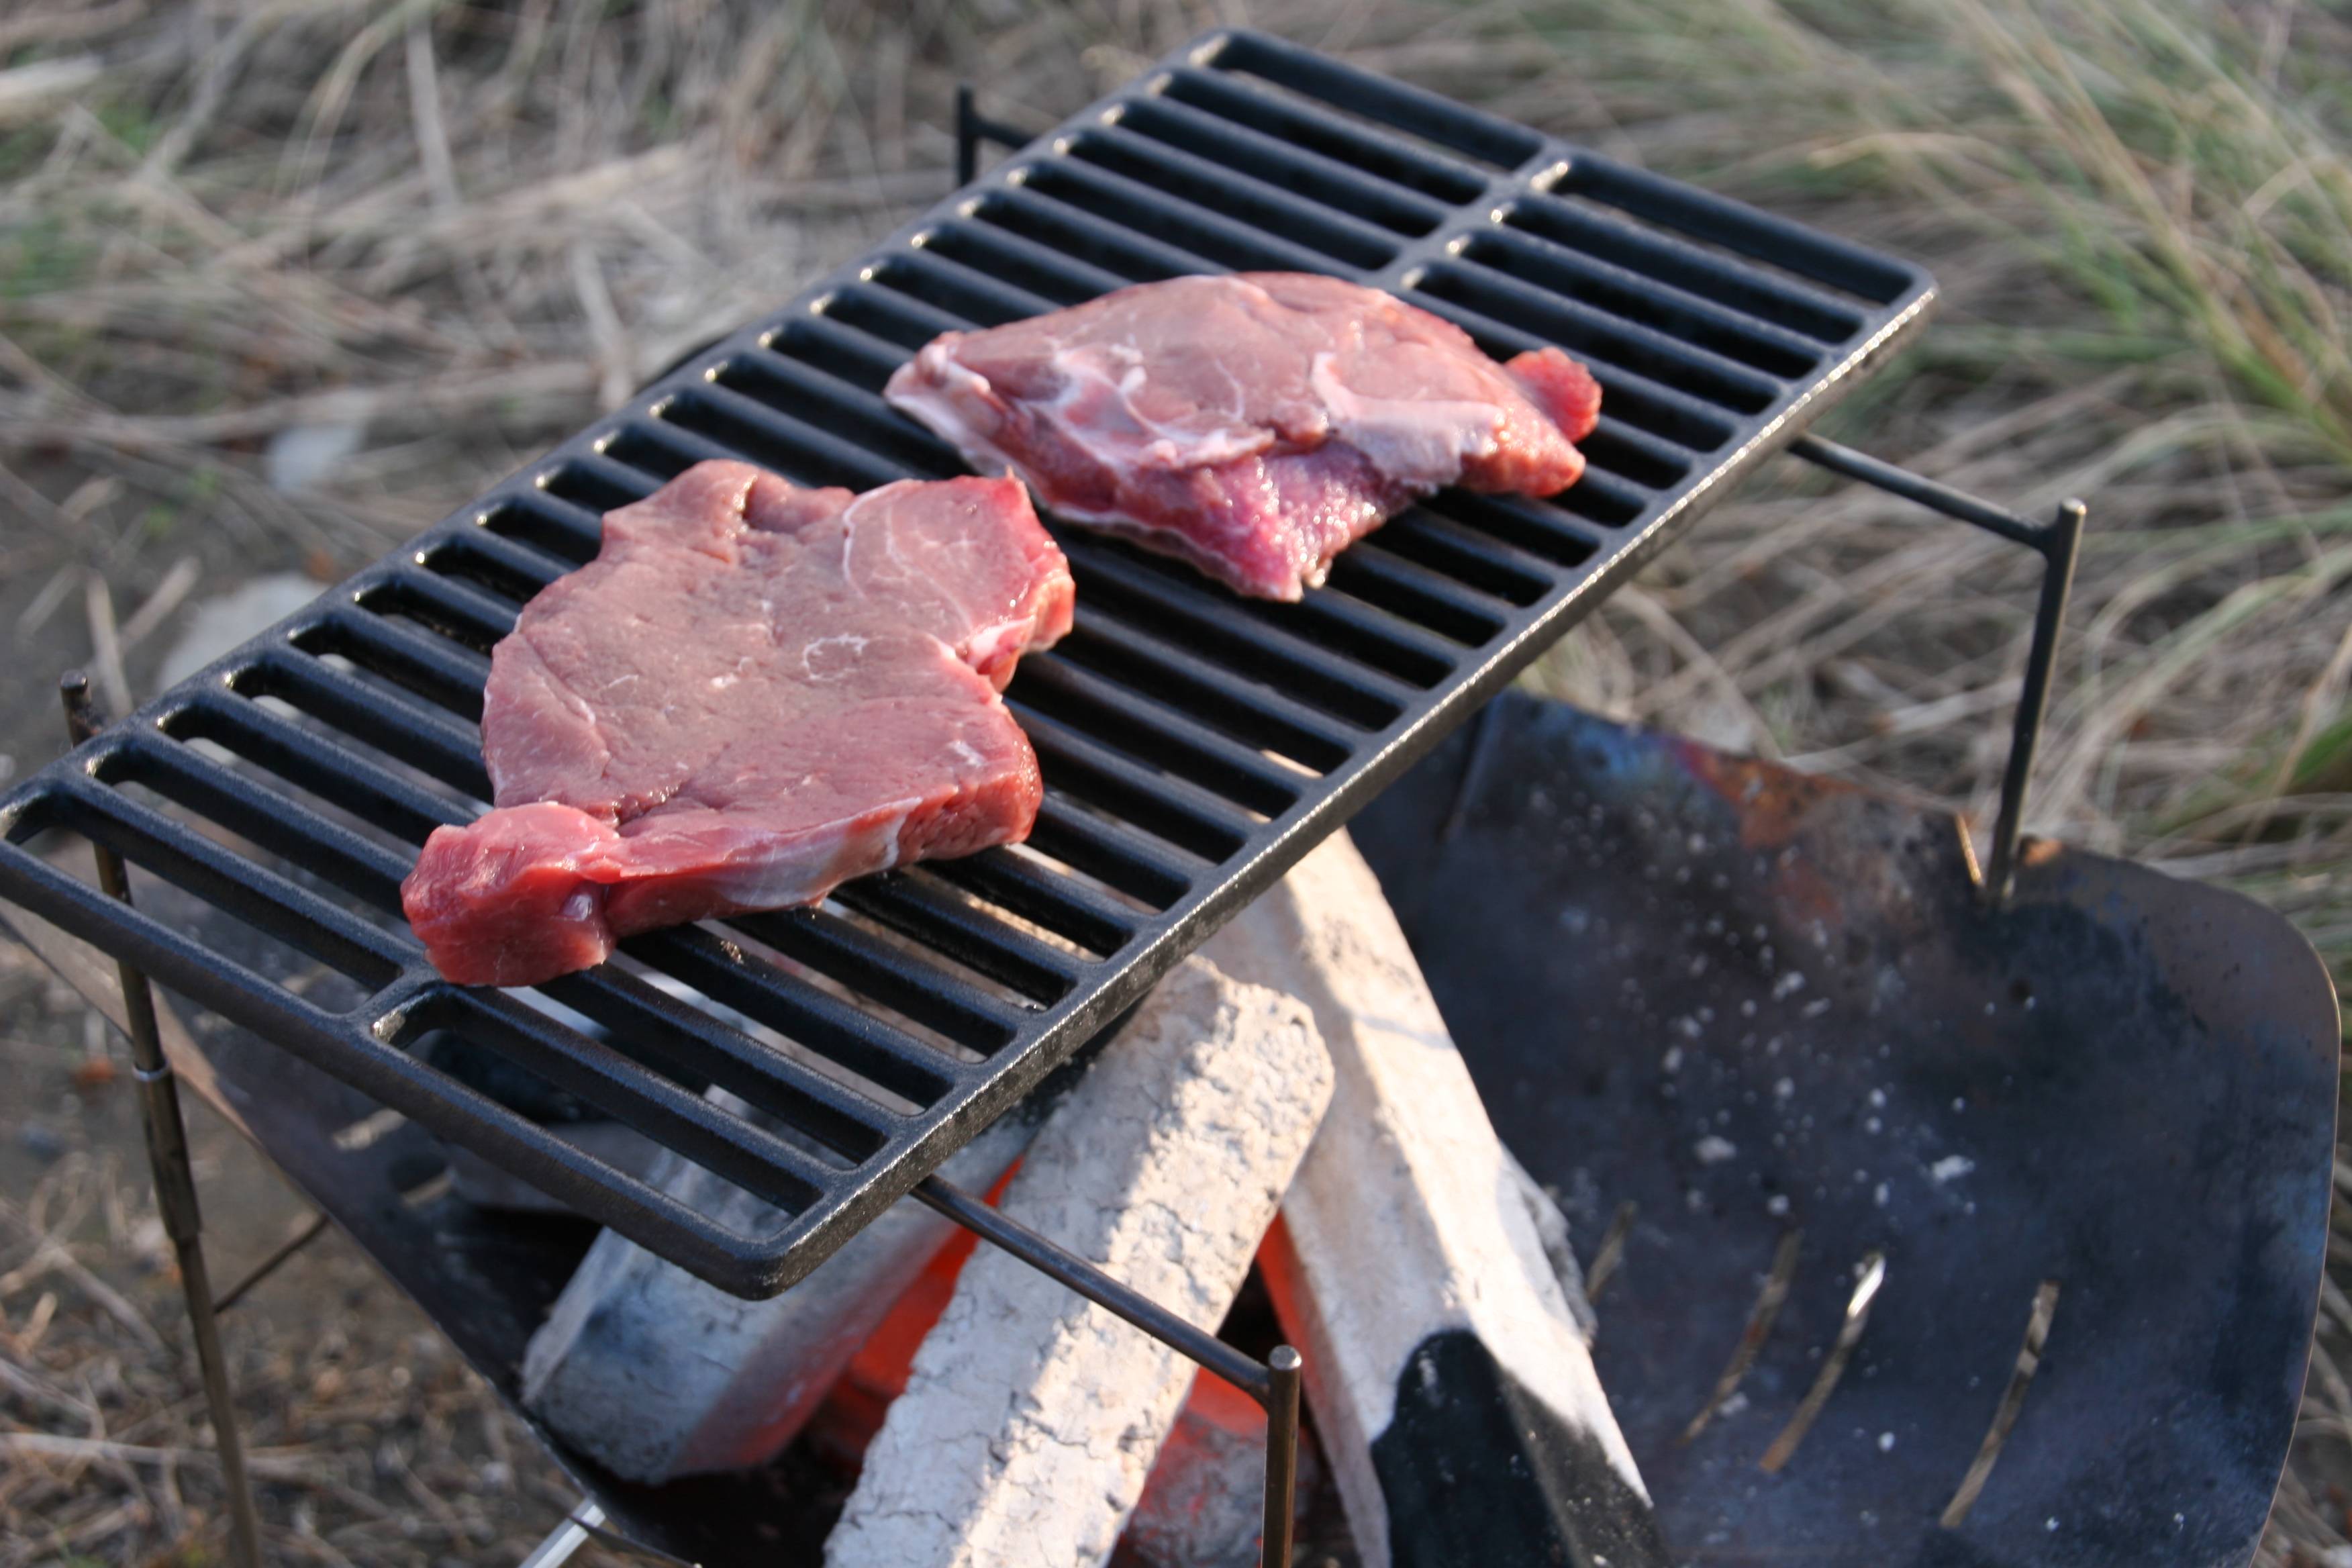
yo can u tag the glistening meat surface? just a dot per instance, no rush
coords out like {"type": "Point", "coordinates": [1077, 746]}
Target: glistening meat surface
{"type": "Point", "coordinates": [1254, 425]}
{"type": "Point", "coordinates": [753, 693]}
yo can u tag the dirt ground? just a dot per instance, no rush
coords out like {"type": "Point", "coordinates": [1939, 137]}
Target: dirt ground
{"type": "Point", "coordinates": [373, 1442]}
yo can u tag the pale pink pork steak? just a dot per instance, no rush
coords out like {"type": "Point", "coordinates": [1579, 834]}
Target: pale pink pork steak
{"type": "Point", "coordinates": [754, 692]}
{"type": "Point", "coordinates": [1254, 425]}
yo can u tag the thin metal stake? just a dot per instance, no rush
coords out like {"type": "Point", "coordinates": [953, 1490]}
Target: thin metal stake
{"type": "Point", "coordinates": [175, 1180]}
{"type": "Point", "coordinates": [271, 1265]}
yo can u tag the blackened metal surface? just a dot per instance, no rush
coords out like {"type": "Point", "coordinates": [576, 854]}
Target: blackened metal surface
{"type": "Point", "coordinates": [1748, 1002]}
{"type": "Point", "coordinates": [1193, 745]}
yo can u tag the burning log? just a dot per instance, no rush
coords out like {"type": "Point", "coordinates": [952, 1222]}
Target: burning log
{"type": "Point", "coordinates": [1457, 1403]}
{"type": "Point", "coordinates": [656, 1374]}
{"type": "Point", "coordinates": [1032, 1416]}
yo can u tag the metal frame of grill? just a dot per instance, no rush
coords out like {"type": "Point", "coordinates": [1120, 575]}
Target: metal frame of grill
{"type": "Point", "coordinates": [1194, 745]}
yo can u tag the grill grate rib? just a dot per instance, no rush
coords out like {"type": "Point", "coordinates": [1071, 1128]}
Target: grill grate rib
{"type": "Point", "coordinates": [1193, 745]}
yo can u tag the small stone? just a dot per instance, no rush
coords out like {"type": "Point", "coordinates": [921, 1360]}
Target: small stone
{"type": "Point", "coordinates": [300, 456]}
{"type": "Point", "coordinates": [218, 623]}
{"type": "Point", "coordinates": [149, 1246]}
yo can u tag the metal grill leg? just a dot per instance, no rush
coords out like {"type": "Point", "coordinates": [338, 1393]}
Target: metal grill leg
{"type": "Point", "coordinates": [1275, 1386]}
{"type": "Point", "coordinates": [967, 135]}
{"type": "Point", "coordinates": [2057, 541]}
{"type": "Point", "coordinates": [175, 1181]}
{"type": "Point", "coordinates": [972, 129]}
{"type": "Point", "coordinates": [1281, 1455]}
{"type": "Point", "coordinates": [2060, 542]}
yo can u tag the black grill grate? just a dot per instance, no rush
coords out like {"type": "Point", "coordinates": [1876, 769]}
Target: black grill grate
{"type": "Point", "coordinates": [1194, 745]}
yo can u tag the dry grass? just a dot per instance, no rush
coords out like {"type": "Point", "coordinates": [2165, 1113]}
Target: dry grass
{"type": "Point", "coordinates": [463, 228]}
{"type": "Point", "coordinates": [370, 1441]}
{"type": "Point", "coordinates": [2140, 214]}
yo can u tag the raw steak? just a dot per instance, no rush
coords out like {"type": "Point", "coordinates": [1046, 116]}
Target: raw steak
{"type": "Point", "coordinates": [753, 693]}
{"type": "Point", "coordinates": [1254, 424]}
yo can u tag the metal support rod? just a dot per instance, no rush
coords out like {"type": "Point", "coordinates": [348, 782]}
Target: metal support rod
{"type": "Point", "coordinates": [1281, 1455]}
{"type": "Point", "coordinates": [2060, 545]}
{"type": "Point", "coordinates": [972, 129]}
{"type": "Point", "coordinates": [1928, 493]}
{"type": "Point", "coordinates": [271, 1265]}
{"type": "Point", "coordinates": [2057, 541]}
{"type": "Point", "coordinates": [175, 1180]}
{"type": "Point", "coordinates": [1047, 1257]}
{"type": "Point", "coordinates": [1275, 1386]}
{"type": "Point", "coordinates": [967, 135]}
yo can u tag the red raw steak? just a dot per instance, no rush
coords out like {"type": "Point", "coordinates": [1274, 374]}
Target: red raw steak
{"type": "Point", "coordinates": [1254, 424]}
{"type": "Point", "coordinates": [753, 693]}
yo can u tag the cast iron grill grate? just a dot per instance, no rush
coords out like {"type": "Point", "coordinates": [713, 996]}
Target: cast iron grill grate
{"type": "Point", "coordinates": [1193, 744]}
